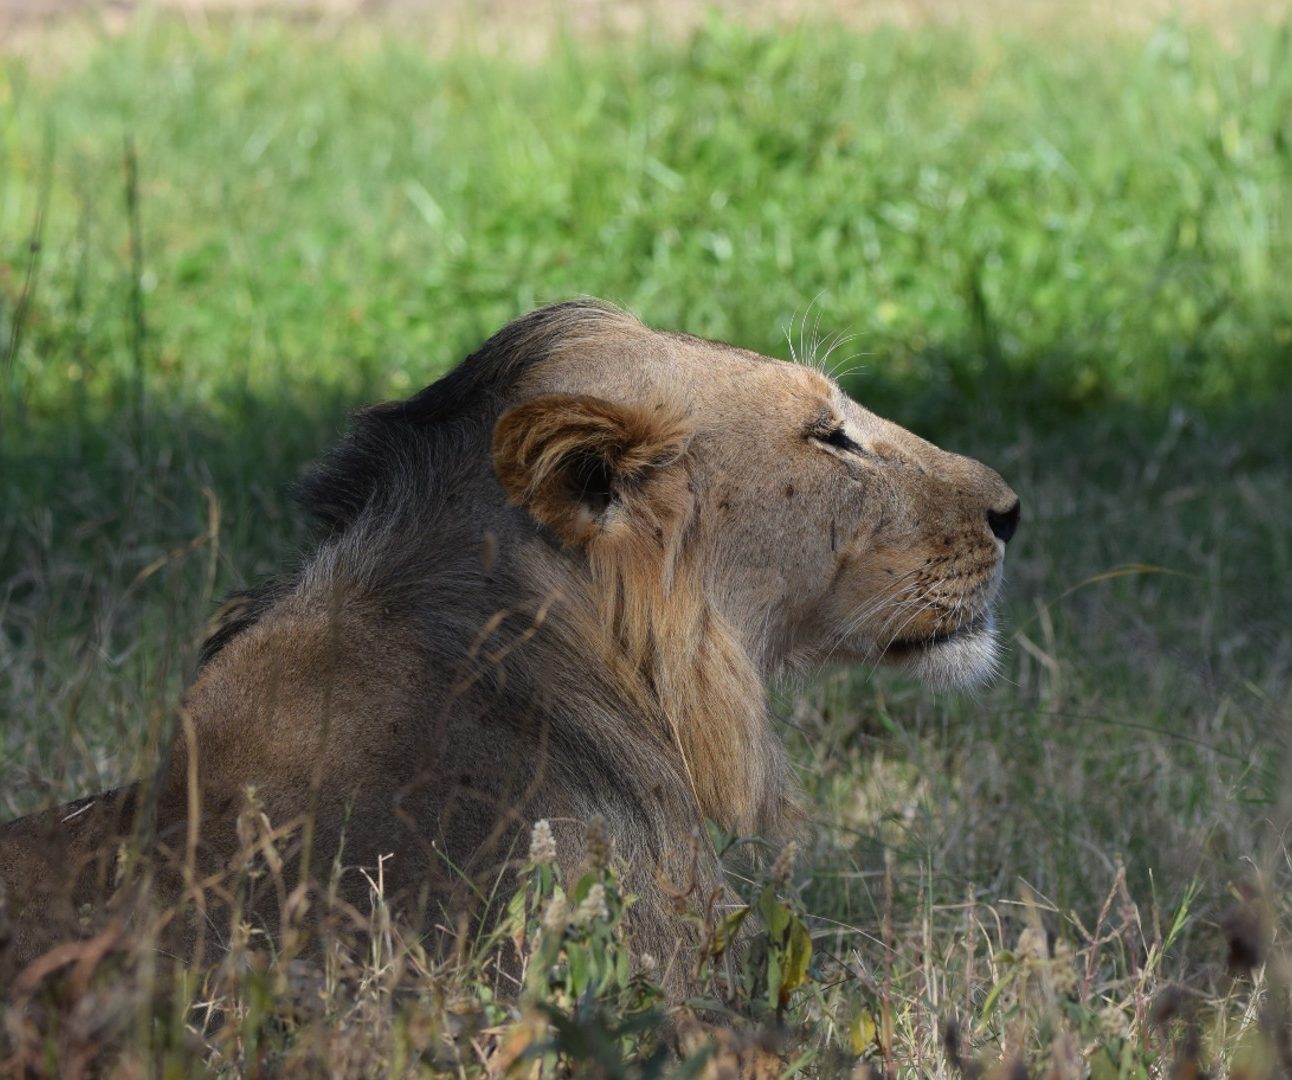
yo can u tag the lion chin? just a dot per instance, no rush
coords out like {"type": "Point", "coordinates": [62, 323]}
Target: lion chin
{"type": "Point", "coordinates": [555, 584]}
{"type": "Point", "coordinates": [967, 659]}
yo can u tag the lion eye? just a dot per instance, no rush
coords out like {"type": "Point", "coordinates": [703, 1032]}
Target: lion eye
{"type": "Point", "coordinates": [838, 438]}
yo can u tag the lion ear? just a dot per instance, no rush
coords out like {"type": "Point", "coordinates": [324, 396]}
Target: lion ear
{"type": "Point", "coordinates": [584, 467]}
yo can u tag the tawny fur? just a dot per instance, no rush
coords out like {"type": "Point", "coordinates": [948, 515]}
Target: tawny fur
{"type": "Point", "coordinates": [555, 585]}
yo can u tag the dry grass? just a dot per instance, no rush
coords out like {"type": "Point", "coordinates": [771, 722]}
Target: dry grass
{"type": "Point", "coordinates": [982, 987]}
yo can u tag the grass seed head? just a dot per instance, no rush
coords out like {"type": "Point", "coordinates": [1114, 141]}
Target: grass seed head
{"type": "Point", "coordinates": [1112, 1022]}
{"type": "Point", "coordinates": [784, 864]}
{"type": "Point", "coordinates": [1032, 947]}
{"type": "Point", "coordinates": [599, 844]}
{"type": "Point", "coordinates": [556, 915]}
{"type": "Point", "coordinates": [1064, 969]}
{"type": "Point", "coordinates": [542, 844]}
{"type": "Point", "coordinates": [593, 907]}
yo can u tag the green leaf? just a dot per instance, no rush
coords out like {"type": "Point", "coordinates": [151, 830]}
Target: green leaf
{"type": "Point", "coordinates": [513, 923]}
{"type": "Point", "coordinates": [773, 979]}
{"type": "Point", "coordinates": [996, 990]}
{"type": "Point", "coordinates": [578, 960]}
{"type": "Point", "coordinates": [863, 1032]}
{"type": "Point", "coordinates": [582, 888]}
{"type": "Point", "coordinates": [775, 915]}
{"type": "Point", "coordinates": [1102, 1067]}
{"type": "Point", "coordinates": [798, 957]}
{"type": "Point", "coordinates": [728, 929]}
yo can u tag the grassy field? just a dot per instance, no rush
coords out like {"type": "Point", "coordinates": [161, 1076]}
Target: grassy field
{"type": "Point", "coordinates": [1066, 254]}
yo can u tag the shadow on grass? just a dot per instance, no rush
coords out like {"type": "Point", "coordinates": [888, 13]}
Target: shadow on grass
{"type": "Point", "coordinates": [116, 541]}
{"type": "Point", "coordinates": [98, 478]}
{"type": "Point", "coordinates": [94, 479]}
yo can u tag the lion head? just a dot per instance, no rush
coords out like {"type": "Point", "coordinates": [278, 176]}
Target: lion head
{"type": "Point", "coordinates": [814, 529]}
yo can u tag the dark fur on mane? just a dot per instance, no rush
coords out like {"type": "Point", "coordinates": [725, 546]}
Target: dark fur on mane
{"type": "Point", "coordinates": [388, 441]}
{"type": "Point", "coordinates": [240, 611]}
{"type": "Point", "coordinates": [394, 446]}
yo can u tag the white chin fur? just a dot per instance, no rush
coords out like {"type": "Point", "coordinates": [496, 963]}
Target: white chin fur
{"type": "Point", "coordinates": [968, 659]}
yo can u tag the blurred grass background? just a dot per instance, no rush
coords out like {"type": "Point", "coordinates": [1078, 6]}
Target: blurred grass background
{"type": "Point", "coordinates": [1065, 250]}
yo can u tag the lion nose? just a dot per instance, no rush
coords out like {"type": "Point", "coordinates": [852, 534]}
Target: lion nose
{"type": "Point", "coordinates": [1004, 523]}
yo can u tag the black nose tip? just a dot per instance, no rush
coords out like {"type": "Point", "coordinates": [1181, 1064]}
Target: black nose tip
{"type": "Point", "coordinates": [1004, 523]}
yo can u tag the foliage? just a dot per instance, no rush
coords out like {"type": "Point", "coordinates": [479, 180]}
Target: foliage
{"type": "Point", "coordinates": [594, 1012]}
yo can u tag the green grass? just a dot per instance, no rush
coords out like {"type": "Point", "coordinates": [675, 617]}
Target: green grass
{"type": "Point", "coordinates": [1067, 256]}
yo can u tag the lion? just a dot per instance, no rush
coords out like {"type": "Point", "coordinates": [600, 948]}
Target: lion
{"type": "Point", "coordinates": [555, 584]}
